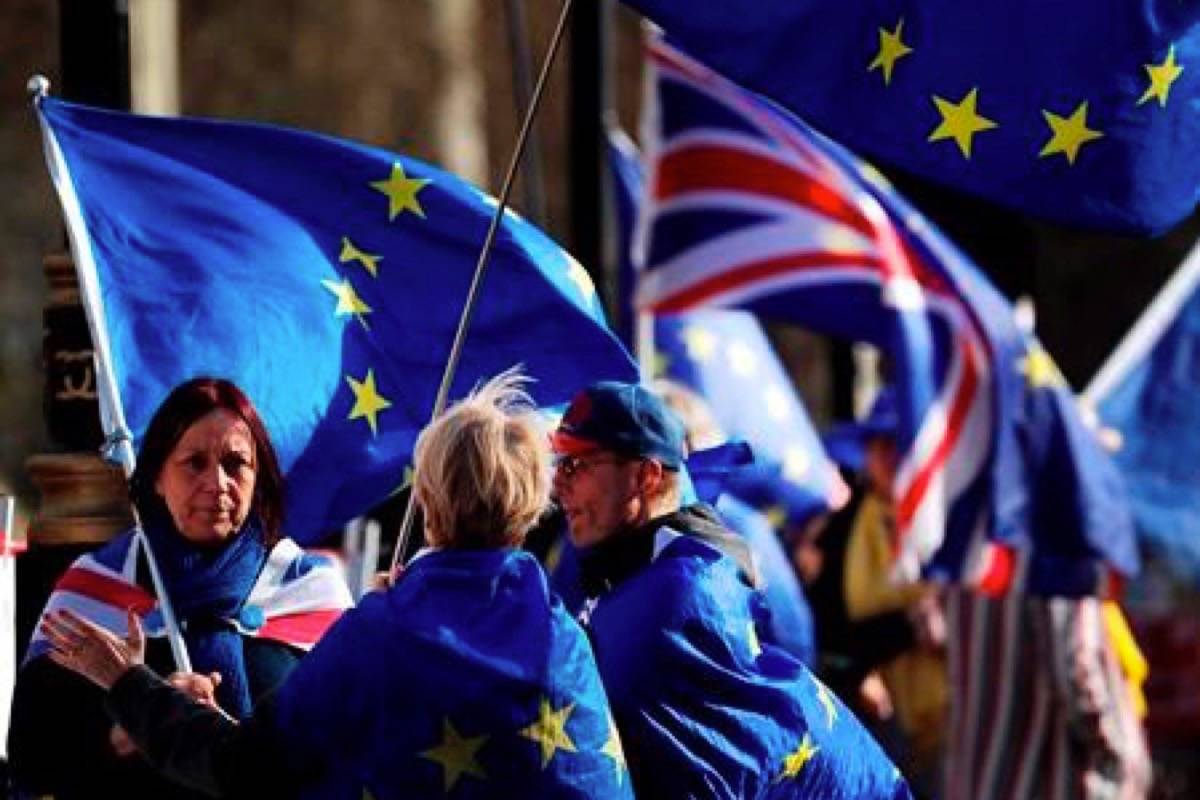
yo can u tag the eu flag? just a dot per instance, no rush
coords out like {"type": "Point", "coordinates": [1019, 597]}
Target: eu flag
{"type": "Point", "coordinates": [1080, 112]}
{"type": "Point", "coordinates": [1146, 393]}
{"type": "Point", "coordinates": [999, 481]}
{"type": "Point", "coordinates": [325, 278]}
{"type": "Point", "coordinates": [466, 679]}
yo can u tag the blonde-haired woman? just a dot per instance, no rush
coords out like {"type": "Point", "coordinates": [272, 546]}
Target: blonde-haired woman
{"type": "Point", "coordinates": [466, 671]}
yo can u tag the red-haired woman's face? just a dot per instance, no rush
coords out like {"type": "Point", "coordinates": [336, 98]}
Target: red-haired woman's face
{"type": "Point", "coordinates": [207, 481]}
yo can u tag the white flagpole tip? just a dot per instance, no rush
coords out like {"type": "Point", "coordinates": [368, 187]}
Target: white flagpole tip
{"type": "Point", "coordinates": [38, 87]}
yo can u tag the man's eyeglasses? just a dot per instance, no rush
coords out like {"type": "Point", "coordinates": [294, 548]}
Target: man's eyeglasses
{"type": "Point", "coordinates": [570, 466]}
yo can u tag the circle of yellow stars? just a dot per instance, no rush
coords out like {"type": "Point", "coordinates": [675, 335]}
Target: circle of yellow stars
{"type": "Point", "coordinates": [960, 121]}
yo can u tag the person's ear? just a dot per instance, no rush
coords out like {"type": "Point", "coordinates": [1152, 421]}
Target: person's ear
{"type": "Point", "coordinates": [650, 475]}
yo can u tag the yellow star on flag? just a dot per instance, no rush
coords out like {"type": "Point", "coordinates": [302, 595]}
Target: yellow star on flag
{"type": "Point", "coordinates": [960, 121]}
{"type": "Point", "coordinates": [701, 343]}
{"type": "Point", "coordinates": [1161, 77]}
{"type": "Point", "coordinates": [826, 699]}
{"type": "Point", "coordinates": [776, 516]}
{"type": "Point", "coordinates": [1039, 369]}
{"type": "Point", "coordinates": [752, 640]}
{"type": "Point", "coordinates": [348, 300]}
{"type": "Point", "coordinates": [891, 49]}
{"type": "Point", "coordinates": [456, 755]}
{"type": "Point", "coordinates": [795, 762]}
{"type": "Point", "coordinates": [368, 402]}
{"type": "Point", "coordinates": [1069, 133]}
{"type": "Point", "coordinates": [796, 463]}
{"type": "Point", "coordinates": [550, 730]}
{"type": "Point", "coordinates": [612, 749]}
{"type": "Point", "coordinates": [350, 252]}
{"type": "Point", "coordinates": [401, 192]}
{"type": "Point", "coordinates": [580, 278]}
{"type": "Point", "coordinates": [741, 357]}
{"type": "Point", "coordinates": [776, 399]}
{"type": "Point", "coordinates": [660, 363]}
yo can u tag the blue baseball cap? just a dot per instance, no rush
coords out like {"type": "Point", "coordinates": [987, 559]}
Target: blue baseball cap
{"type": "Point", "coordinates": [623, 418]}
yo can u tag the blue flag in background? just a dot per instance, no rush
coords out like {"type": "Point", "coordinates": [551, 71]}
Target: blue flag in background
{"type": "Point", "coordinates": [325, 278]}
{"type": "Point", "coordinates": [1080, 112]}
{"type": "Point", "coordinates": [999, 482]}
{"type": "Point", "coordinates": [1147, 393]}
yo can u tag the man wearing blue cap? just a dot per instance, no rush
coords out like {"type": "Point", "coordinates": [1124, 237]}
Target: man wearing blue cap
{"type": "Point", "coordinates": [704, 710]}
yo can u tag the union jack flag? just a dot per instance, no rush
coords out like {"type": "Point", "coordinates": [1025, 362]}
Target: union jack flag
{"type": "Point", "coordinates": [747, 207]}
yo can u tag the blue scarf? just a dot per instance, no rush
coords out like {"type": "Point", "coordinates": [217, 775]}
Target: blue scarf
{"type": "Point", "coordinates": [207, 587]}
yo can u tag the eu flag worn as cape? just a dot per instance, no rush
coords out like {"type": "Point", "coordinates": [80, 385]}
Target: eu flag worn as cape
{"type": "Point", "coordinates": [705, 709]}
{"type": "Point", "coordinates": [1147, 393]}
{"type": "Point", "coordinates": [325, 278]}
{"type": "Point", "coordinates": [999, 481]}
{"type": "Point", "coordinates": [1080, 112]}
{"type": "Point", "coordinates": [466, 679]}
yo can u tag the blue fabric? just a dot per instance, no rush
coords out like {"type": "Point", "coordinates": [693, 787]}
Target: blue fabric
{"type": "Point", "coordinates": [1000, 483]}
{"type": "Point", "coordinates": [467, 645]}
{"type": "Point", "coordinates": [1153, 407]}
{"type": "Point", "coordinates": [274, 258]}
{"type": "Point", "coordinates": [706, 712]}
{"type": "Point", "coordinates": [207, 587]}
{"type": "Point", "coordinates": [1024, 60]}
{"type": "Point", "coordinates": [789, 622]}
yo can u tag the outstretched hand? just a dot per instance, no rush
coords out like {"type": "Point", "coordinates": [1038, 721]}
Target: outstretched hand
{"type": "Point", "coordinates": [91, 651]}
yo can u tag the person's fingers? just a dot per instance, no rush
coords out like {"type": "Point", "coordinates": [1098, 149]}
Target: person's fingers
{"type": "Point", "coordinates": [136, 639]}
{"type": "Point", "coordinates": [215, 677]}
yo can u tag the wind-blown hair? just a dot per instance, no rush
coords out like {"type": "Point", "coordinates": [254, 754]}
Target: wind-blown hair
{"type": "Point", "coordinates": [483, 468]}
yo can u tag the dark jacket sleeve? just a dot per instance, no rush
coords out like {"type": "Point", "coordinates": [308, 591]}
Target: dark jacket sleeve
{"type": "Point", "coordinates": [197, 746]}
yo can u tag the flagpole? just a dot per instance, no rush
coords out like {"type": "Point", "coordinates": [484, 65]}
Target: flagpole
{"type": "Point", "coordinates": [485, 253]}
{"type": "Point", "coordinates": [118, 442]}
{"type": "Point", "coordinates": [1148, 329]}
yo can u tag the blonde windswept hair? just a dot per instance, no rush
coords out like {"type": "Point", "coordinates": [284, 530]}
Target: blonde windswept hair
{"type": "Point", "coordinates": [483, 467]}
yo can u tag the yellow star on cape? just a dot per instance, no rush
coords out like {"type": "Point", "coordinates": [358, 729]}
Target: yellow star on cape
{"type": "Point", "coordinates": [612, 749]}
{"type": "Point", "coordinates": [701, 343]}
{"type": "Point", "coordinates": [891, 50]}
{"type": "Point", "coordinates": [579, 276]}
{"type": "Point", "coordinates": [456, 755]}
{"type": "Point", "coordinates": [368, 402]}
{"type": "Point", "coordinates": [550, 730]}
{"type": "Point", "coordinates": [348, 300]}
{"type": "Point", "coordinates": [826, 699]}
{"type": "Point", "coordinates": [794, 763]}
{"type": "Point", "coordinates": [350, 252]}
{"type": "Point", "coordinates": [659, 363]}
{"type": "Point", "coordinates": [1039, 369]}
{"type": "Point", "coordinates": [752, 640]}
{"type": "Point", "coordinates": [960, 121]}
{"type": "Point", "coordinates": [1161, 77]}
{"type": "Point", "coordinates": [1069, 133]}
{"type": "Point", "coordinates": [401, 192]}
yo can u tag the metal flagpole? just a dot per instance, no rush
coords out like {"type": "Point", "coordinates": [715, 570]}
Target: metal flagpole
{"type": "Point", "coordinates": [460, 335]}
{"type": "Point", "coordinates": [118, 444]}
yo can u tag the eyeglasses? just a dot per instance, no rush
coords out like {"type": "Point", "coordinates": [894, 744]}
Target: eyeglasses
{"type": "Point", "coordinates": [570, 466]}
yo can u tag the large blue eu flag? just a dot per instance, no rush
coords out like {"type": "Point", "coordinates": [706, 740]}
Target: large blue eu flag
{"type": "Point", "coordinates": [325, 278]}
{"type": "Point", "coordinates": [1081, 112]}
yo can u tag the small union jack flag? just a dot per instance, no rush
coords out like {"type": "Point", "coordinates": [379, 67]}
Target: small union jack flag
{"type": "Point", "coordinates": [749, 208]}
